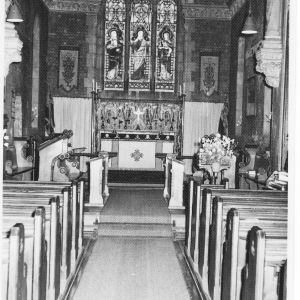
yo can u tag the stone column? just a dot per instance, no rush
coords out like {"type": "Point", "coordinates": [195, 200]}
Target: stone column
{"type": "Point", "coordinates": [271, 62]}
{"type": "Point", "coordinates": [269, 55]}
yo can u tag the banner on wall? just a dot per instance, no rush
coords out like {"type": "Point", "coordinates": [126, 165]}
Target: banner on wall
{"type": "Point", "coordinates": [68, 68]}
{"type": "Point", "coordinates": [209, 66]}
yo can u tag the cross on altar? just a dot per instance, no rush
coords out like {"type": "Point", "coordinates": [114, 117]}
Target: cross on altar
{"type": "Point", "coordinates": [138, 113]}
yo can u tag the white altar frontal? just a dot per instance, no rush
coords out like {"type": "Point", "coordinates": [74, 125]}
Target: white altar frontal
{"type": "Point", "coordinates": [137, 154]}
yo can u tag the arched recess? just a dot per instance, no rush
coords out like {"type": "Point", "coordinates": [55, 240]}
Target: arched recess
{"type": "Point", "coordinates": [35, 72]}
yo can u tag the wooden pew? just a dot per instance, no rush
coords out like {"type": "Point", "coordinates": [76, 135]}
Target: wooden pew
{"type": "Point", "coordinates": [98, 190]}
{"type": "Point", "coordinates": [16, 207]}
{"type": "Point", "coordinates": [266, 256]}
{"type": "Point", "coordinates": [15, 189]}
{"type": "Point", "coordinates": [234, 257]}
{"type": "Point", "coordinates": [194, 210]}
{"type": "Point", "coordinates": [16, 285]}
{"type": "Point", "coordinates": [254, 204]}
{"type": "Point", "coordinates": [35, 260]}
{"type": "Point", "coordinates": [16, 201]}
{"type": "Point", "coordinates": [173, 193]}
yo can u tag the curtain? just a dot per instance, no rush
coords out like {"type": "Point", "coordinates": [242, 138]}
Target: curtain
{"type": "Point", "coordinates": [74, 114]}
{"type": "Point", "coordinates": [200, 118]}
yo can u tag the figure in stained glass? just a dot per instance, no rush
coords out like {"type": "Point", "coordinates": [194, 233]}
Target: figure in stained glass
{"type": "Point", "coordinates": [114, 48]}
{"type": "Point", "coordinates": [166, 45]}
{"type": "Point", "coordinates": [140, 51]}
{"type": "Point", "coordinates": [165, 48]}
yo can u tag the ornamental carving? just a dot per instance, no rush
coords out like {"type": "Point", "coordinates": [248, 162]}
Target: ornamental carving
{"type": "Point", "coordinates": [74, 6]}
{"type": "Point", "coordinates": [133, 116]}
{"type": "Point", "coordinates": [195, 11]}
{"type": "Point", "coordinates": [269, 62]}
{"type": "Point", "coordinates": [190, 11]}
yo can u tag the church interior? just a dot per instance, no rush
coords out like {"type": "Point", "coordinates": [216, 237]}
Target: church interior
{"type": "Point", "coordinates": [145, 149]}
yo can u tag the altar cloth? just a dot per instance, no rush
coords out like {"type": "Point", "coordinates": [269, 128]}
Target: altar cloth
{"type": "Point", "coordinates": [137, 154]}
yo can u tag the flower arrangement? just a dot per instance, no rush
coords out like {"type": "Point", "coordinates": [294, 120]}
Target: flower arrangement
{"type": "Point", "coordinates": [215, 147]}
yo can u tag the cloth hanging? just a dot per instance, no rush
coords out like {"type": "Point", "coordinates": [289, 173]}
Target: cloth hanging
{"type": "Point", "coordinates": [49, 114]}
{"type": "Point", "coordinates": [75, 114]}
{"type": "Point", "coordinates": [223, 122]}
{"type": "Point", "coordinates": [200, 118]}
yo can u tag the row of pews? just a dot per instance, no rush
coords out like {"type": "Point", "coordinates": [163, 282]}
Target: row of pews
{"type": "Point", "coordinates": [236, 242]}
{"type": "Point", "coordinates": [42, 238]}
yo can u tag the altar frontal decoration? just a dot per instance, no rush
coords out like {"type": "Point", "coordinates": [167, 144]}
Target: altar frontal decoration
{"type": "Point", "coordinates": [209, 73]}
{"type": "Point", "coordinates": [216, 150]}
{"type": "Point", "coordinates": [166, 45]}
{"type": "Point", "coordinates": [133, 116]}
{"type": "Point", "coordinates": [115, 13]}
{"type": "Point", "coordinates": [140, 45]}
{"type": "Point", "coordinates": [68, 68]}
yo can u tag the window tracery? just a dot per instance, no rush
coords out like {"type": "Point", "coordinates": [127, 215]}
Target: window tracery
{"type": "Point", "coordinates": [151, 45]}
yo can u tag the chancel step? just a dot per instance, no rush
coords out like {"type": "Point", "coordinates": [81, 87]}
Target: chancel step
{"type": "Point", "coordinates": [138, 230]}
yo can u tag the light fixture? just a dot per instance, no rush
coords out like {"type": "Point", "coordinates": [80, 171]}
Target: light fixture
{"type": "Point", "coordinates": [14, 14]}
{"type": "Point", "coordinates": [249, 26]}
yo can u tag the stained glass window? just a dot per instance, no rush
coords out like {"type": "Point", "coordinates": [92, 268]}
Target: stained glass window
{"type": "Point", "coordinates": [140, 45]}
{"type": "Point", "coordinates": [115, 14]}
{"type": "Point", "coordinates": [166, 45]}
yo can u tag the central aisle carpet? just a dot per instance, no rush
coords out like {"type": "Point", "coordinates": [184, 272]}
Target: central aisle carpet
{"type": "Point", "coordinates": [127, 268]}
{"type": "Point", "coordinates": [135, 205]}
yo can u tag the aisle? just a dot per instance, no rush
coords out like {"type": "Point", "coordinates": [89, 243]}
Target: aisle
{"type": "Point", "coordinates": [128, 268]}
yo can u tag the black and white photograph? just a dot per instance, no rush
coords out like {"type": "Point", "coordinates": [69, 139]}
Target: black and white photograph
{"type": "Point", "coordinates": [149, 149]}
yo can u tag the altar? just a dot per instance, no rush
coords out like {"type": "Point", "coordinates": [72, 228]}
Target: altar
{"type": "Point", "coordinates": [137, 131]}
{"type": "Point", "coordinates": [137, 153]}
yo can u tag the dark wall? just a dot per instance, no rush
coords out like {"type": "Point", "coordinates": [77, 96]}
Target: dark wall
{"type": "Point", "coordinates": [87, 33]}
{"type": "Point", "coordinates": [67, 30]}
{"type": "Point", "coordinates": [251, 125]}
{"type": "Point", "coordinates": [210, 37]}
{"type": "Point", "coordinates": [19, 78]}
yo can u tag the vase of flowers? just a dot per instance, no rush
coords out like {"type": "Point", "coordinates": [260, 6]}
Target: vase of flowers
{"type": "Point", "coordinates": [216, 166]}
{"type": "Point", "coordinates": [216, 151]}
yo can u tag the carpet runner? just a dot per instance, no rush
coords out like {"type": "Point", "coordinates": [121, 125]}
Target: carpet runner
{"type": "Point", "coordinates": [128, 176]}
{"type": "Point", "coordinates": [135, 212]}
{"type": "Point", "coordinates": [128, 268]}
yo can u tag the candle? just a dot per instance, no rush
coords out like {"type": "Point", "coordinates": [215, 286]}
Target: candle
{"type": "Point", "coordinates": [183, 88]}
{"type": "Point", "coordinates": [93, 85]}
{"type": "Point", "coordinates": [180, 91]}
{"type": "Point", "coordinates": [96, 86]}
